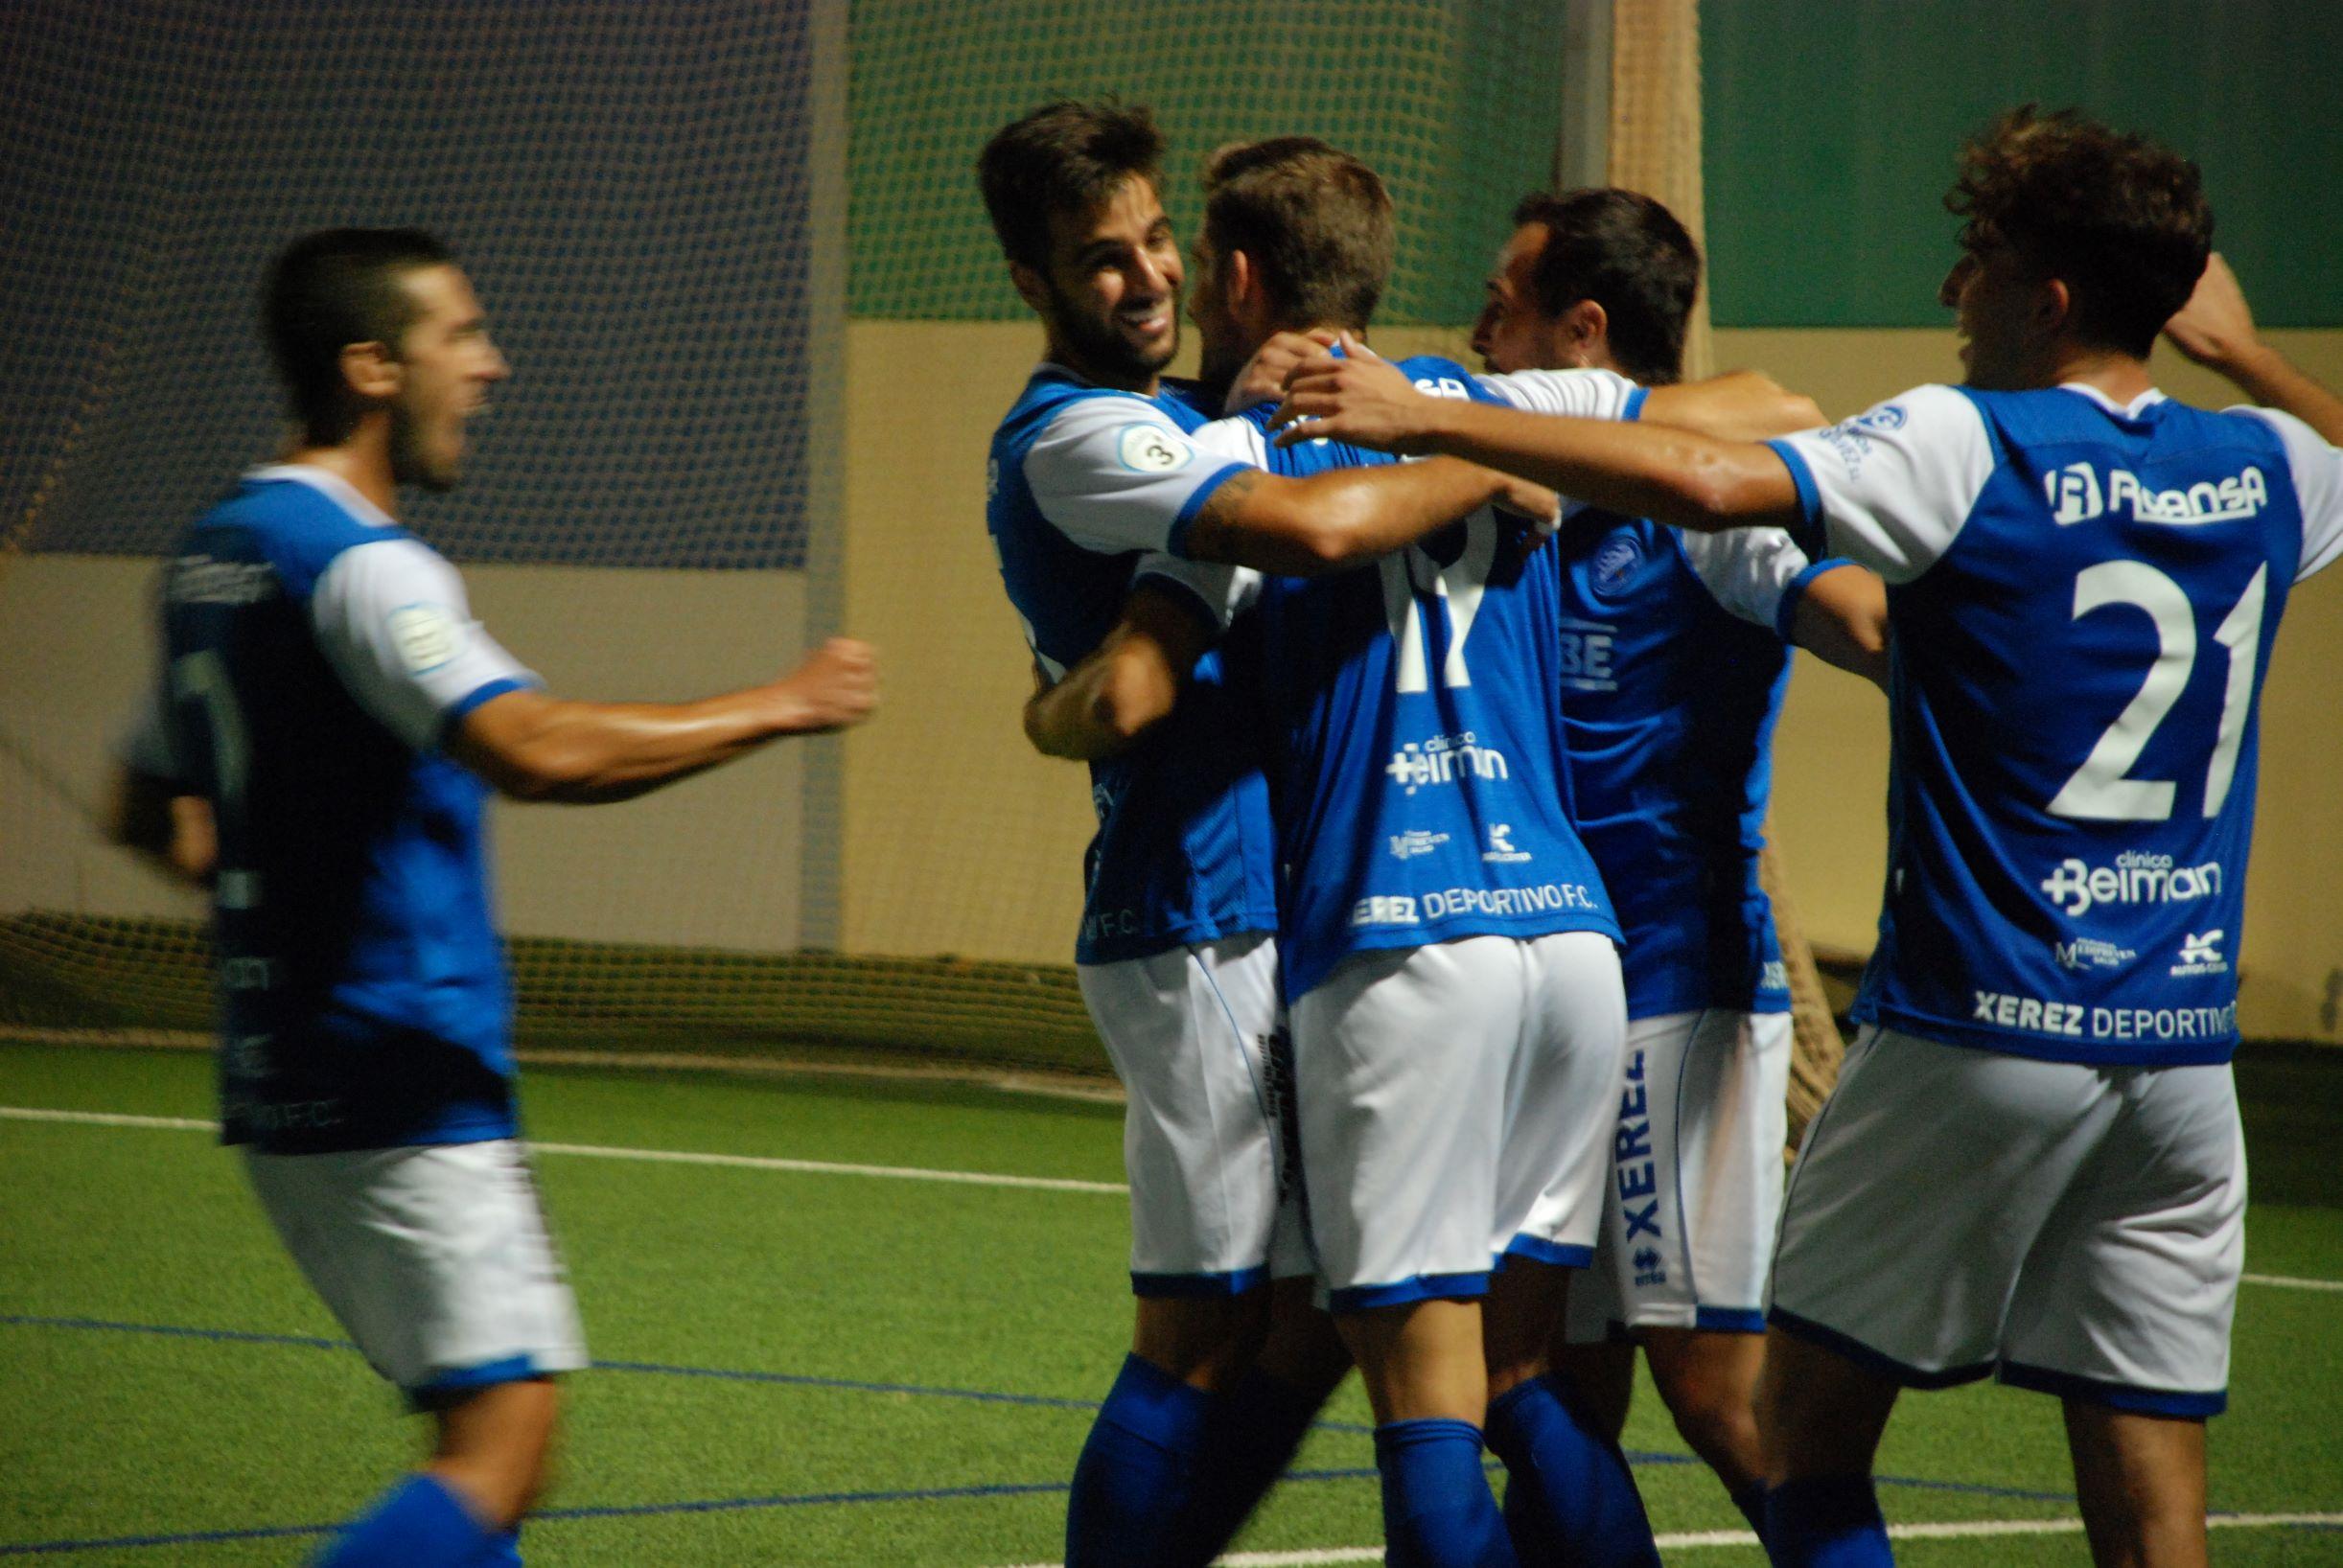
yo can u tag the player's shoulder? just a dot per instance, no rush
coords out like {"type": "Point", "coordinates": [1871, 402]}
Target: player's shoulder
{"type": "Point", "coordinates": [302, 520]}
{"type": "Point", "coordinates": [1437, 375]}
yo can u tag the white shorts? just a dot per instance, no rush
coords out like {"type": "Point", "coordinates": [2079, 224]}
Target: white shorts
{"type": "Point", "coordinates": [2076, 1229]}
{"type": "Point", "coordinates": [1696, 1177]}
{"type": "Point", "coordinates": [1197, 1035]}
{"type": "Point", "coordinates": [435, 1259]}
{"type": "Point", "coordinates": [1456, 1105]}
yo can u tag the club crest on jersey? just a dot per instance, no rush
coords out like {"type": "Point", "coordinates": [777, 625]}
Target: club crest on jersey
{"type": "Point", "coordinates": [1150, 449]}
{"type": "Point", "coordinates": [2076, 495]}
{"type": "Point", "coordinates": [1615, 562]}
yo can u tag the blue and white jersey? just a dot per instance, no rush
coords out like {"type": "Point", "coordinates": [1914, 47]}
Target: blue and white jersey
{"type": "Point", "coordinates": [2083, 598]}
{"type": "Point", "coordinates": [1675, 659]}
{"type": "Point", "coordinates": [1417, 764]}
{"type": "Point", "coordinates": [1083, 480]}
{"type": "Point", "coordinates": [315, 655]}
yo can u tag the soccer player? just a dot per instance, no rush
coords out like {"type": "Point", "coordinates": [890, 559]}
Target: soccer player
{"type": "Point", "coordinates": [2032, 1165]}
{"type": "Point", "coordinates": [315, 752]}
{"type": "Point", "coordinates": [1177, 958]}
{"type": "Point", "coordinates": [1438, 882]}
{"type": "Point", "coordinates": [1674, 667]}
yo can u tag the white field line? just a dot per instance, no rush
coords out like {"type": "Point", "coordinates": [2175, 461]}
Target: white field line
{"type": "Point", "coordinates": [669, 1157]}
{"type": "Point", "coordinates": [758, 1162]}
{"type": "Point", "coordinates": [1689, 1540]}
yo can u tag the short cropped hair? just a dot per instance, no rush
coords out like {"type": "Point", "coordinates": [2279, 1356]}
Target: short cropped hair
{"type": "Point", "coordinates": [1627, 253]}
{"type": "Point", "coordinates": [327, 290]}
{"type": "Point", "coordinates": [2121, 219]}
{"type": "Point", "coordinates": [1315, 220]}
{"type": "Point", "coordinates": [1063, 158]}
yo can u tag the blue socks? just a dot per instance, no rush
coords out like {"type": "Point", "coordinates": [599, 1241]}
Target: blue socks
{"type": "Point", "coordinates": [1569, 1497]}
{"type": "Point", "coordinates": [1437, 1508]}
{"type": "Point", "coordinates": [1827, 1522]}
{"type": "Point", "coordinates": [419, 1523]}
{"type": "Point", "coordinates": [1132, 1481]}
{"type": "Point", "coordinates": [1249, 1438]}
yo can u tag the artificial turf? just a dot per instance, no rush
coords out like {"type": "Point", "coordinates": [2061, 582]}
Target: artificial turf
{"type": "Point", "coordinates": [824, 1369]}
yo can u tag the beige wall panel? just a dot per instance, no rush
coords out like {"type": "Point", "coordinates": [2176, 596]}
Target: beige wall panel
{"type": "Point", "coordinates": [714, 860]}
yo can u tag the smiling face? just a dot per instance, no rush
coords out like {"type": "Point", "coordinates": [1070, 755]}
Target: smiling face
{"type": "Point", "coordinates": [1110, 295]}
{"type": "Point", "coordinates": [448, 364]}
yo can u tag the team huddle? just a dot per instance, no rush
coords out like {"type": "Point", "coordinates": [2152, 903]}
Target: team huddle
{"type": "Point", "coordinates": [1428, 715]}
{"type": "Point", "coordinates": [1423, 923]}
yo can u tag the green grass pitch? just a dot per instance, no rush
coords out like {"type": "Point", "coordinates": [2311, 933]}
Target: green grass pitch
{"type": "Point", "coordinates": [802, 1368]}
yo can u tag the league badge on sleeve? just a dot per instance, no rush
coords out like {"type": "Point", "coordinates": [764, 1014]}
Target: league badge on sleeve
{"type": "Point", "coordinates": [425, 635]}
{"type": "Point", "coordinates": [1148, 449]}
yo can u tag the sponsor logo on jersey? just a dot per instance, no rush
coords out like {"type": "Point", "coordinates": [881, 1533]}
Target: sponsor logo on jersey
{"type": "Point", "coordinates": [1416, 841]}
{"type": "Point", "coordinates": [425, 635]}
{"type": "Point", "coordinates": [1442, 386]}
{"type": "Point", "coordinates": [1443, 759]}
{"type": "Point", "coordinates": [1888, 416]}
{"type": "Point", "coordinates": [1423, 909]}
{"type": "Point", "coordinates": [2201, 955]}
{"type": "Point", "coordinates": [1500, 845]}
{"type": "Point", "coordinates": [2030, 1013]}
{"type": "Point", "coordinates": [1773, 977]}
{"type": "Point", "coordinates": [1150, 448]}
{"type": "Point", "coordinates": [2076, 495]}
{"type": "Point", "coordinates": [1587, 648]}
{"type": "Point", "coordinates": [1851, 439]}
{"type": "Point", "coordinates": [1636, 1169]}
{"type": "Point", "coordinates": [199, 580]}
{"type": "Point", "coordinates": [2037, 1016]}
{"type": "Point", "coordinates": [2090, 953]}
{"type": "Point", "coordinates": [2137, 877]}
{"type": "Point", "coordinates": [1614, 562]}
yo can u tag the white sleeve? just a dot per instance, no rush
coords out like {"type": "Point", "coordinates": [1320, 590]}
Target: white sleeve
{"type": "Point", "coordinates": [145, 745]}
{"type": "Point", "coordinates": [1581, 394]}
{"type": "Point", "coordinates": [2318, 487]}
{"type": "Point", "coordinates": [392, 620]}
{"type": "Point", "coordinates": [1892, 487]}
{"type": "Point", "coordinates": [1114, 474]}
{"type": "Point", "coordinates": [1756, 573]}
{"type": "Point", "coordinates": [1220, 593]}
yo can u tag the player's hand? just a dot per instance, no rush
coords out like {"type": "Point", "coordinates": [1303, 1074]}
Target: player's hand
{"type": "Point", "coordinates": [1532, 504]}
{"type": "Point", "coordinates": [836, 687]}
{"type": "Point", "coordinates": [2216, 328]}
{"type": "Point", "coordinates": [1359, 399]}
{"type": "Point", "coordinates": [1263, 379]}
{"type": "Point", "coordinates": [1738, 405]}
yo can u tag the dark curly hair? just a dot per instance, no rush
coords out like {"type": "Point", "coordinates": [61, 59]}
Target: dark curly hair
{"type": "Point", "coordinates": [1064, 157]}
{"type": "Point", "coordinates": [2121, 219]}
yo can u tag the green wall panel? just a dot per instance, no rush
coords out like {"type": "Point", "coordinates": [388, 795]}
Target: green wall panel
{"type": "Point", "coordinates": [1831, 127]}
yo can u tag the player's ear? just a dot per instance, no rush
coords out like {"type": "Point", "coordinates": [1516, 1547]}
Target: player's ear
{"type": "Point", "coordinates": [1586, 326]}
{"type": "Point", "coordinates": [1031, 288]}
{"type": "Point", "coordinates": [1240, 281]}
{"type": "Point", "coordinates": [2053, 306]}
{"type": "Point", "coordinates": [369, 370]}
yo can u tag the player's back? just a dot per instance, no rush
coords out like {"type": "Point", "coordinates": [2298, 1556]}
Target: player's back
{"type": "Point", "coordinates": [1416, 754]}
{"type": "Point", "coordinates": [1668, 705]}
{"type": "Point", "coordinates": [1183, 847]}
{"type": "Point", "coordinates": [2076, 680]}
{"type": "Point", "coordinates": [364, 995]}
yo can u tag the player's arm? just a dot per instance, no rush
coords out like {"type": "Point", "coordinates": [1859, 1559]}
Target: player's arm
{"type": "Point", "coordinates": [2217, 330]}
{"type": "Point", "coordinates": [148, 810]}
{"type": "Point", "coordinates": [535, 747]}
{"type": "Point", "coordinates": [1672, 475]}
{"type": "Point", "coordinates": [1738, 405]}
{"type": "Point", "coordinates": [1114, 475]}
{"type": "Point", "coordinates": [1841, 616]}
{"type": "Point", "coordinates": [392, 620]}
{"type": "Point", "coordinates": [1330, 522]}
{"type": "Point", "coordinates": [1128, 683]}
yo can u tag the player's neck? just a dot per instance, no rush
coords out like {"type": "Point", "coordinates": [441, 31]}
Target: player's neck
{"type": "Point", "coordinates": [2120, 375]}
{"type": "Point", "coordinates": [1121, 378]}
{"type": "Point", "coordinates": [362, 462]}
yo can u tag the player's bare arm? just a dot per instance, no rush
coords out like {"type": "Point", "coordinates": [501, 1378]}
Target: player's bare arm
{"type": "Point", "coordinates": [534, 747]}
{"type": "Point", "coordinates": [1332, 520]}
{"type": "Point", "coordinates": [2216, 329]}
{"type": "Point", "coordinates": [1128, 683]}
{"type": "Point", "coordinates": [166, 826]}
{"type": "Point", "coordinates": [1842, 618]}
{"type": "Point", "coordinates": [1738, 405]}
{"type": "Point", "coordinates": [1671, 475]}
